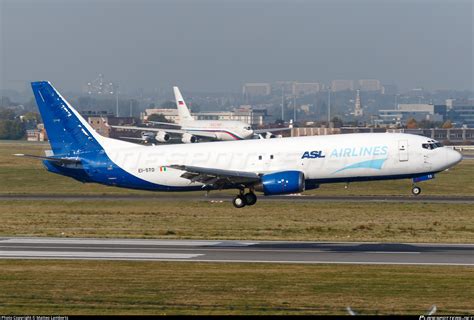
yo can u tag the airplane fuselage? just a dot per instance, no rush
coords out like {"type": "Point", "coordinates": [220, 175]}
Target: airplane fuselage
{"type": "Point", "coordinates": [224, 130]}
{"type": "Point", "coordinates": [322, 159]}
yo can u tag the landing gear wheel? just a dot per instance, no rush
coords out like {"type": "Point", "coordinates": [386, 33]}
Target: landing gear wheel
{"type": "Point", "coordinates": [250, 198]}
{"type": "Point", "coordinates": [416, 190]}
{"type": "Point", "coordinates": [239, 201]}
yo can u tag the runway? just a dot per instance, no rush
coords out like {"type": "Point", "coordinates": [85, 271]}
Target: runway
{"type": "Point", "coordinates": [220, 197]}
{"type": "Point", "coordinates": [238, 251]}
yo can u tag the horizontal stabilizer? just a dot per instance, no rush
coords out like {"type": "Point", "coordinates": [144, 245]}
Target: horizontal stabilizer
{"type": "Point", "coordinates": [53, 159]}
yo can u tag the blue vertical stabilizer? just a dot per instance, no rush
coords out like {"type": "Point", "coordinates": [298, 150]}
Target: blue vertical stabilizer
{"type": "Point", "coordinates": [66, 133]}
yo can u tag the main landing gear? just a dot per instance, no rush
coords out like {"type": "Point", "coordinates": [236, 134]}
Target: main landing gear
{"type": "Point", "coordinates": [244, 199]}
{"type": "Point", "coordinates": [416, 190]}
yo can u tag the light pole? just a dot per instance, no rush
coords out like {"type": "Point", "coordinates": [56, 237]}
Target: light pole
{"type": "Point", "coordinates": [282, 103]}
{"type": "Point", "coordinates": [329, 105]}
{"type": "Point", "coordinates": [294, 108]}
{"type": "Point", "coordinates": [116, 102]}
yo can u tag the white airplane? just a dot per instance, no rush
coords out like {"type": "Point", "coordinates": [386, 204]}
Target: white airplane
{"type": "Point", "coordinates": [272, 166]}
{"type": "Point", "coordinates": [190, 129]}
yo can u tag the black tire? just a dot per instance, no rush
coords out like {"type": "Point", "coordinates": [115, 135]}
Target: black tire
{"type": "Point", "coordinates": [239, 201]}
{"type": "Point", "coordinates": [250, 198]}
{"type": "Point", "coordinates": [416, 190]}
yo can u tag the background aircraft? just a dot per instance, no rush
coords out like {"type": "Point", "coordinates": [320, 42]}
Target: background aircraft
{"type": "Point", "coordinates": [273, 166]}
{"type": "Point", "coordinates": [191, 130]}
{"type": "Point", "coordinates": [148, 137]}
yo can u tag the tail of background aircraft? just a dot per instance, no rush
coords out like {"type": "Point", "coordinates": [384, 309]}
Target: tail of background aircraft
{"type": "Point", "coordinates": [68, 132]}
{"type": "Point", "coordinates": [183, 111]}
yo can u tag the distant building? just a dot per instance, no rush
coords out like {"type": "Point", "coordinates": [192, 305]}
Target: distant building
{"type": "Point", "coordinates": [462, 115]}
{"type": "Point", "coordinates": [169, 114]}
{"type": "Point", "coordinates": [450, 136]}
{"type": "Point", "coordinates": [418, 111]}
{"type": "Point", "coordinates": [389, 89]}
{"type": "Point", "coordinates": [313, 131]}
{"type": "Point", "coordinates": [256, 89]}
{"type": "Point", "coordinates": [245, 113]}
{"type": "Point", "coordinates": [416, 93]}
{"type": "Point", "coordinates": [342, 85]}
{"type": "Point", "coordinates": [369, 85]}
{"type": "Point", "coordinates": [304, 88]}
{"type": "Point", "coordinates": [287, 86]}
{"type": "Point", "coordinates": [37, 134]}
{"type": "Point", "coordinates": [102, 122]}
{"type": "Point", "coordinates": [416, 107]}
{"type": "Point", "coordinates": [449, 103]}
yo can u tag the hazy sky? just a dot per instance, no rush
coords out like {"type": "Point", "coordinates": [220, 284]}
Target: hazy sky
{"type": "Point", "coordinates": [216, 45]}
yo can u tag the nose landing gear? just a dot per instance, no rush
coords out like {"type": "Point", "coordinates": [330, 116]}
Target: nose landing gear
{"type": "Point", "coordinates": [416, 190]}
{"type": "Point", "coordinates": [244, 199]}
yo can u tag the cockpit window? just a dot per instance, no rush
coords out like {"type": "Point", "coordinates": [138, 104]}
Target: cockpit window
{"type": "Point", "coordinates": [431, 145]}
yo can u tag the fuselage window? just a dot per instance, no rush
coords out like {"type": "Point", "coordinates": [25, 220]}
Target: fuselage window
{"type": "Point", "coordinates": [271, 157]}
{"type": "Point", "coordinates": [259, 157]}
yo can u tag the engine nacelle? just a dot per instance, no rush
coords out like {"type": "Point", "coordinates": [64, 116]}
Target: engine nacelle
{"type": "Point", "coordinates": [188, 138]}
{"type": "Point", "coordinates": [147, 137]}
{"type": "Point", "coordinates": [281, 183]}
{"type": "Point", "coordinates": [162, 136]}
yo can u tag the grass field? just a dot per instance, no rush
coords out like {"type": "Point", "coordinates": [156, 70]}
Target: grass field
{"type": "Point", "coordinates": [28, 176]}
{"type": "Point", "coordinates": [104, 287]}
{"type": "Point", "coordinates": [332, 221]}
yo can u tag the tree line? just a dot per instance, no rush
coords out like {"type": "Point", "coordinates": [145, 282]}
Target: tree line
{"type": "Point", "coordinates": [11, 127]}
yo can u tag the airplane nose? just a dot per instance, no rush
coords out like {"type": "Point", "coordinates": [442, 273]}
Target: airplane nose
{"type": "Point", "coordinates": [454, 157]}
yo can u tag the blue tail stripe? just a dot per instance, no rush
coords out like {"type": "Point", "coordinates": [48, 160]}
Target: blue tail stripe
{"type": "Point", "coordinates": [368, 164]}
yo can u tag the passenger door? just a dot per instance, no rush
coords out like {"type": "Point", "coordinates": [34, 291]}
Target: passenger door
{"type": "Point", "coordinates": [403, 150]}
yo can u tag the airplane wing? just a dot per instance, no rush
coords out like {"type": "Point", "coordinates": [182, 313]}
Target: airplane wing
{"type": "Point", "coordinates": [62, 161]}
{"type": "Point", "coordinates": [204, 134]}
{"type": "Point", "coordinates": [132, 138]}
{"type": "Point", "coordinates": [165, 123]}
{"type": "Point", "coordinates": [217, 177]}
{"type": "Point", "coordinates": [270, 130]}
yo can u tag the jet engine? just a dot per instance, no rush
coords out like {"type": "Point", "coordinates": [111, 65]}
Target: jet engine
{"type": "Point", "coordinates": [147, 137]}
{"type": "Point", "coordinates": [162, 136]}
{"type": "Point", "coordinates": [188, 138]}
{"type": "Point", "coordinates": [281, 183]}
